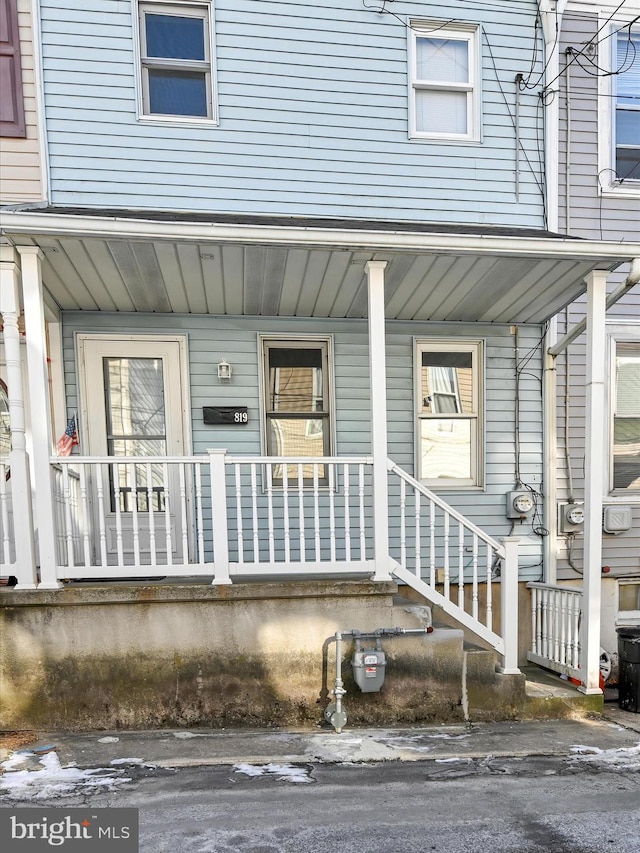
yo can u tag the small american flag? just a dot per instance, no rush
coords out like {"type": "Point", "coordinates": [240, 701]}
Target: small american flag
{"type": "Point", "coordinates": [69, 438]}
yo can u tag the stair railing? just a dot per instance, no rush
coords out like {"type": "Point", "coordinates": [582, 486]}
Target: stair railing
{"type": "Point", "coordinates": [455, 564]}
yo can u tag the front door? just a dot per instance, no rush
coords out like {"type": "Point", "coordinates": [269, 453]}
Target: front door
{"type": "Point", "coordinates": [134, 401]}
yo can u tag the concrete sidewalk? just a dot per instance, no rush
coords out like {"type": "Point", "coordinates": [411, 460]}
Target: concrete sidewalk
{"type": "Point", "coordinates": [202, 747]}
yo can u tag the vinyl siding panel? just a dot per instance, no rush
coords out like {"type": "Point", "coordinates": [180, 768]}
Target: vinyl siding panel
{"type": "Point", "coordinates": [584, 211]}
{"type": "Point", "coordinates": [313, 117]}
{"type": "Point", "coordinates": [20, 171]}
{"type": "Point", "coordinates": [212, 338]}
{"type": "Point", "coordinates": [621, 552]}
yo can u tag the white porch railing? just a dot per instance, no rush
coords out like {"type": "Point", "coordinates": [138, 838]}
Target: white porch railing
{"type": "Point", "coordinates": [229, 517]}
{"type": "Point", "coordinates": [215, 515]}
{"type": "Point", "coordinates": [556, 613]}
{"type": "Point", "coordinates": [454, 563]}
{"type": "Point", "coordinates": [7, 547]}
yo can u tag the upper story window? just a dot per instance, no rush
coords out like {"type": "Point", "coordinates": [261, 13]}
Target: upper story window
{"type": "Point", "coordinates": [624, 467]}
{"type": "Point", "coordinates": [626, 129]}
{"type": "Point", "coordinates": [176, 61]}
{"type": "Point", "coordinates": [444, 94]}
{"type": "Point", "coordinates": [12, 119]}
{"type": "Point", "coordinates": [449, 408]}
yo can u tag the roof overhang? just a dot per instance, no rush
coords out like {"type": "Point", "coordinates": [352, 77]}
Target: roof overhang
{"type": "Point", "coordinates": [136, 261]}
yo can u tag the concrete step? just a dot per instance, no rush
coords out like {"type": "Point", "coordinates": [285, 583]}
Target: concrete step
{"type": "Point", "coordinates": [486, 693]}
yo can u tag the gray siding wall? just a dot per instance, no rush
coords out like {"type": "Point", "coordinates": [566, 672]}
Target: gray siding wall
{"type": "Point", "coordinates": [621, 552]}
{"type": "Point", "coordinates": [584, 212]}
{"type": "Point", "coordinates": [212, 338]}
{"type": "Point", "coordinates": [313, 116]}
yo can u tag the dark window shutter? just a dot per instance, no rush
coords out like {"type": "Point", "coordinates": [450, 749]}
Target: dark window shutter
{"type": "Point", "coordinates": [11, 99]}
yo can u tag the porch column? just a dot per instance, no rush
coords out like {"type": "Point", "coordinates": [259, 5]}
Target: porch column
{"type": "Point", "coordinates": [31, 257]}
{"type": "Point", "coordinates": [594, 478]}
{"type": "Point", "coordinates": [377, 366]}
{"type": "Point", "coordinates": [25, 570]}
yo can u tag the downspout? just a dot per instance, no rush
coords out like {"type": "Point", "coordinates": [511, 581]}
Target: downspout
{"type": "Point", "coordinates": [43, 143]}
{"type": "Point", "coordinates": [567, 199]}
{"type": "Point", "coordinates": [630, 281]}
{"type": "Point", "coordinates": [551, 14]}
{"type": "Point", "coordinates": [550, 451]}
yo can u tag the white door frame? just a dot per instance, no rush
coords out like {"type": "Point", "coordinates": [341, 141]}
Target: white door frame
{"type": "Point", "coordinates": [92, 348]}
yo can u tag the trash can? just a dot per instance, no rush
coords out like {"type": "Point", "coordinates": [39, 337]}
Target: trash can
{"type": "Point", "coordinates": [629, 669]}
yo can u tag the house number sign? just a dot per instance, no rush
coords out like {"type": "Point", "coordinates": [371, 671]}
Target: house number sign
{"type": "Point", "coordinates": [225, 415]}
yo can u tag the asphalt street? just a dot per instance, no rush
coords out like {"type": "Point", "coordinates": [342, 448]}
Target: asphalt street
{"type": "Point", "coordinates": [573, 801]}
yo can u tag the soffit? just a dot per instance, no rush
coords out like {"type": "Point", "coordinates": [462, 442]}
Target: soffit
{"type": "Point", "coordinates": [453, 279]}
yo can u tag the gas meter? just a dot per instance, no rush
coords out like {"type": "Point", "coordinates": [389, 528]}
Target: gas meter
{"type": "Point", "coordinates": [368, 667]}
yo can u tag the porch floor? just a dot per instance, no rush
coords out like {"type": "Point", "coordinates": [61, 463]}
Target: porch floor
{"type": "Point", "coordinates": [548, 695]}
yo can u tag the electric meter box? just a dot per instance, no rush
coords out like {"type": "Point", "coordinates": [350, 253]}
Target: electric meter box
{"type": "Point", "coordinates": [368, 667]}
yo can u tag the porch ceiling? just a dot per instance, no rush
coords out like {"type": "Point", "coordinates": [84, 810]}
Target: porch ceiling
{"type": "Point", "coordinates": [440, 276]}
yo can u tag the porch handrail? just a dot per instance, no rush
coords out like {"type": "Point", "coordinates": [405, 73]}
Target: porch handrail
{"type": "Point", "coordinates": [461, 569]}
{"type": "Point", "coordinates": [447, 508]}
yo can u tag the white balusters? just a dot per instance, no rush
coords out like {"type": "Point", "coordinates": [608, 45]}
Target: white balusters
{"type": "Point", "coordinates": [271, 539]}
{"type": "Point", "coordinates": [301, 515]}
{"type": "Point", "coordinates": [239, 521]}
{"type": "Point", "coordinates": [285, 510]}
{"type": "Point", "coordinates": [167, 513]}
{"type": "Point", "coordinates": [133, 495]}
{"type": "Point", "coordinates": [460, 566]}
{"type": "Point", "coordinates": [151, 516]}
{"type": "Point", "coordinates": [555, 626]}
{"type": "Point", "coordinates": [7, 551]}
{"type": "Point", "coordinates": [363, 541]}
{"type": "Point", "coordinates": [346, 479]}
{"type": "Point", "coordinates": [148, 513]}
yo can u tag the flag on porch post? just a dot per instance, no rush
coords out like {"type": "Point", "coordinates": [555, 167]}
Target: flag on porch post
{"type": "Point", "coordinates": [69, 438]}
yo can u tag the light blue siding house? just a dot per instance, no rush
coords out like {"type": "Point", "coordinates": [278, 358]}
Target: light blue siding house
{"type": "Point", "coordinates": [599, 198]}
{"type": "Point", "coordinates": [291, 286]}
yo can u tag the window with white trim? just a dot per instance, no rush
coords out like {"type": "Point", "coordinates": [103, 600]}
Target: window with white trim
{"type": "Point", "coordinates": [449, 412]}
{"type": "Point", "coordinates": [624, 459]}
{"type": "Point", "coordinates": [444, 81]}
{"type": "Point", "coordinates": [176, 60]}
{"type": "Point", "coordinates": [628, 602]}
{"type": "Point", "coordinates": [626, 118]}
{"type": "Point", "coordinates": [297, 401]}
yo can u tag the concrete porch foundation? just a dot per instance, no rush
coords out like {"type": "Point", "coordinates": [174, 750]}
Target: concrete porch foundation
{"type": "Point", "coordinates": [132, 656]}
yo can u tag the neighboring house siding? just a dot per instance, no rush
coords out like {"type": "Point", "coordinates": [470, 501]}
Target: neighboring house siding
{"type": "Point", "coordinates": [313, 117]}
{"type": "Point", "coordinates": [236, 339]}
{"type": "Point", "coordinates": [584, 211]}
{"type": "Point", "coordinates": [621, 552]}
{"type": "Point", "coordinates": [20, 170]}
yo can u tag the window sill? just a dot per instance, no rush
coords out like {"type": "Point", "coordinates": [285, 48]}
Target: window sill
{"type": "Point", "coordinates": [632, 190]}
{"type": "Point", "coordinates": [184, 121]}
{"type": "Point", "coordinates": [450, 140]}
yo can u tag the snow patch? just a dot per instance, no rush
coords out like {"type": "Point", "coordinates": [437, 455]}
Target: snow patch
{"type": "Point", "coordinates": [138, 761]}
{"type": "Point", "coordinates": [283, 772]}
{"type": "Point", "coordinates": [108, 739]}
{"type": "Point", "coordinates": [625, 758]}
{"type": "Point", "coordinates": [187, 735]}
{"type": "Point", "coordinates": [51, 779]}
